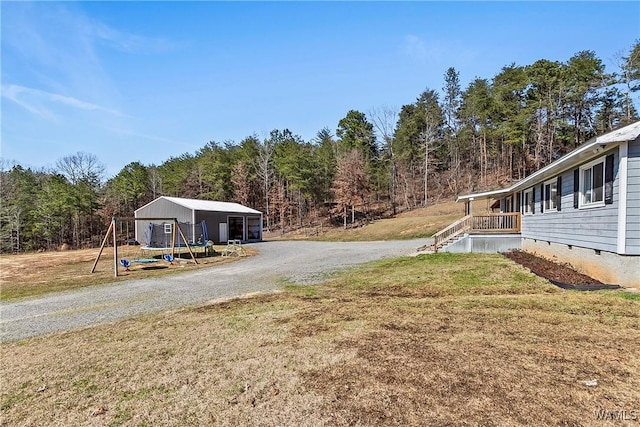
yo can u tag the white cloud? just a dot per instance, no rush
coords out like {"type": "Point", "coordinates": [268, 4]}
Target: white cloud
{"type": "Point", "coordinates": [42, 103]}
{"type": "Point", "coordinates": [58, 48]}
{"type": "Point", "coordinates": [13, 93]}
{"type": "Point", "coordinates": [414, 48]}
{"type": "Point", "coordinates": [128, 42]}
{"type": "Point", "coordinates": [442, 53]}
{"type": "Point", "coordinates": [47, 47]}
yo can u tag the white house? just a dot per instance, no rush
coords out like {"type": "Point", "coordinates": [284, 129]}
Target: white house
{"type": "Point", "coordinates": [582, 209]}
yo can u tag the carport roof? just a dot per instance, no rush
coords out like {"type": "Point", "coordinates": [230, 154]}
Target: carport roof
{"type": "Point", "coordinates": [209, 205]}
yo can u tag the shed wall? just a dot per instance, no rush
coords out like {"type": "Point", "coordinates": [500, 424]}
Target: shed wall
{"type": "Point", "coordinates": [163, 208]}
{"type": "Point", "coordinates": [160, 208]}
{"type": "Point", "coordinates": [214, 219]}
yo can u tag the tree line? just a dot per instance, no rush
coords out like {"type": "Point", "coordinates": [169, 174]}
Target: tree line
{"type": "Point", "coordinates": [376, 163]}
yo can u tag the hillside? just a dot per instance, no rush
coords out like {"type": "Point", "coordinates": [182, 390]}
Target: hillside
{"type": "Point", "coordinates": [413, 224]}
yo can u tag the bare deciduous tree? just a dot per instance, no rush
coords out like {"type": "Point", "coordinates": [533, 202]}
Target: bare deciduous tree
{"type": "Point", "coordinates": [155, 181]}
{"type": "Point", "coordinates": [241, 186]}
{"type": "Point", "coordinates": [384, 121]}
{"type": "Point", "coordinates": [351, 186]}
{"type": "Point", "coordinates": [81, 167]}
{"type": "Point", "coordinates": [264, 169]}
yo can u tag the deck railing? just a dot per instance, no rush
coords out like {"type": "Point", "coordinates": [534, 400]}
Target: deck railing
{"type": "Point", "coordinates": [443, 236]}
{"type": "Point", "coordinates": [497, 223]}
{"type": "Point", "coordinates": [489, 223]}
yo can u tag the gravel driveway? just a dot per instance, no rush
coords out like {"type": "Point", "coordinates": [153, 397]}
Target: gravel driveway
{"type": "Point", "coordinates": [295, 261]}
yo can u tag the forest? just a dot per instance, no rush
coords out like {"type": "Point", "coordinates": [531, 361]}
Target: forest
{"type": "Point", "coordinates": [375, 164]}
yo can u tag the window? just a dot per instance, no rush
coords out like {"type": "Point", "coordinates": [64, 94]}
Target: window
{"type": "Point", "coordinates": [592, 184]}
{"type": "Point", "coordinates": [168, 228]}
{"type": "Point", "coordinates": [551, 195]}
{"type": "Point", "coordinates": [528, 201]}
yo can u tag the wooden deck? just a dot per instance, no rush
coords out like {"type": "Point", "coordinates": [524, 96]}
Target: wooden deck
{"type": "Point", "coordinates": [489, 223]}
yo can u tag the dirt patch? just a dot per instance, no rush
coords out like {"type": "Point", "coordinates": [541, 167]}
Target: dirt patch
{"type": "Point", "coordinates": [555, 272]}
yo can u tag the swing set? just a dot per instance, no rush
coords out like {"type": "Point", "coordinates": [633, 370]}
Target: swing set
{"type": "Point", "coordinates": [125, 262]}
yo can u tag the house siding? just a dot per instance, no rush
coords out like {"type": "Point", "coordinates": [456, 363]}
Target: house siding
{"type": "Point", "coordinates": [633, 199]}
{"type": "Point", "coordinates": [601, 240]}
{"type": "Point", "coordinates": [594, 228]}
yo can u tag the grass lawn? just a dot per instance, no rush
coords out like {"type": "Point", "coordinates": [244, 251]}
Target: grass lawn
{"type": "Point", "coordinates": [430, 340]}
{"type": "Point", "coordinates": [35, 274]}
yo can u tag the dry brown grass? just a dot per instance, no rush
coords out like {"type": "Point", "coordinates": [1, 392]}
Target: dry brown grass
{"type": "Point", "coordinates": [433, 340]}
{"type": "Point", "coordinates": [413, 224]}
{"type": "Point", "coordinates": [43, 272]}
{"type": "Point", "coordinates": [39, 273]}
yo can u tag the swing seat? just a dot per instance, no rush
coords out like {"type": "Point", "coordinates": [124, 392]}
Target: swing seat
{"type": "Point", "coordinates": [168, 258]}
{"type": "Point", "coordinates": [125, 263]}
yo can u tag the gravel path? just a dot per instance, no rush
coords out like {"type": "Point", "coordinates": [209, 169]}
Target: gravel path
{"type": "Point", "coordinates": [295, 261]}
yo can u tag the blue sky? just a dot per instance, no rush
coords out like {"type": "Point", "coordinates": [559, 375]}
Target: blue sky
{"type": "Point", "coordinates": [144, 81]}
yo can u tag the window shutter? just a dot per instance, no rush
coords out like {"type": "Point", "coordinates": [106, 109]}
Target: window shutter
{"type": "Point", "coordinates": [608, 180]}
{"type": "Point", "coordinates": [576, 188]}
{"type": "Point", "coordinates": [559, 194]}
{"type": "Point", "coordinates": [533, 200]}
{"type": "Point", "coordinates": [518, 202]}
{"type": "Point", "coordinates": [542, 198]}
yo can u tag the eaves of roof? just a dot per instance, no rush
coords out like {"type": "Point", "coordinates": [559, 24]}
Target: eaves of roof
{"type": "Point", "coordinates": [207, 205]}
